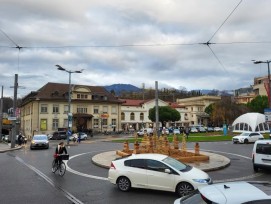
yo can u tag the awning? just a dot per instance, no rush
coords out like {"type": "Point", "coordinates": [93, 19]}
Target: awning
{"type": "Point", "coordinates": [82, 115]}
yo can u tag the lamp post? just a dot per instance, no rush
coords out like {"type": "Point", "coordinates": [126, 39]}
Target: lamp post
{"type": "Point", "coordinates": [69, 99]}
{"type": "Point", "coordinates": [269, 91]}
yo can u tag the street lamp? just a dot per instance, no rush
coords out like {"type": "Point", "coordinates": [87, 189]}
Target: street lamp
{"type": "Point", "coordinates": [269, 91]}
{"type": "Point", "coordinates": [69, 98]}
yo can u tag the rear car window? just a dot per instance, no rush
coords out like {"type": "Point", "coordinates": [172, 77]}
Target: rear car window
{"type": "Point", "coordinates": [263, 149]}
{"type": "Point", "coordinates": [137, 163]}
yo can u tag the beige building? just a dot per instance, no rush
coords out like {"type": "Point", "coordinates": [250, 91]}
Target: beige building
{"type": "Point", "coordinates": [135, 114]}
{"type": "Point", "coordinates": [260, 86]}
{"type": "Point", "coordinates": [195, 107]}
{"type": "Point", "coordinates": [46, 110]}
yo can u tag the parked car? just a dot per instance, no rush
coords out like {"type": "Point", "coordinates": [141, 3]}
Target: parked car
{"type": "Point", "coordinates": [217, 129]}
{"type": "Point", "coordinates": [156, 171]}
{"type": "Point", "coordinates": [230, 193]}
{"type": "Point", "coordinates": [39, 141]}
{"type": "Point", "coordinates": [165, 131]}
{"type": "Point", "coordinates": [83, 136]}
{"type": "Point", "coordinates": [201, 129]}
{"type": "Point", "coordinates": [210, 129]}
{"type": "Point", "coordinates": [193, 129]}
{"type": "Point", "coordinates": [148, 131]}
{"type": "Point", "coordinates": [59, 135]}
{"type": "Point", "coordinates": [247, 137]}
{"type": "Point", "coordinates": [261, 154]}
{"type": "Point", "coordinates": [176, 131]}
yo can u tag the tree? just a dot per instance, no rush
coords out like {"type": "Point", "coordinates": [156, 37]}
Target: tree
{"type": "Point", "coordinates": [166, 114]}
{"type": "Point", "coordinates": [258, 104]}
{"type": "Point", "coordinates": [225, 111]}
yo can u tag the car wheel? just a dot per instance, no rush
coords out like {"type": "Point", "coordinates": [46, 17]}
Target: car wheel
{"type": "Point", "coordinates": [246, 141]}
{"type": "Point", "coordinates": [184, 188]}
{"type": "Point", "coordinates": [124, 184]}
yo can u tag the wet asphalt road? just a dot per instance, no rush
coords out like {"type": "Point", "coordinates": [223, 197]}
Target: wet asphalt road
{"type": "Point", "coordinates": [26, 175]}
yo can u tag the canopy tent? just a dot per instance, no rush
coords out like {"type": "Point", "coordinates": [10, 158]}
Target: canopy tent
{"type": "Point", "coordinates": [254, 122]}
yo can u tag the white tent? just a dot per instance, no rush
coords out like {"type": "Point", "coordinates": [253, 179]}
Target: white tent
{"type": "Point", "coordinates": [254, 122]}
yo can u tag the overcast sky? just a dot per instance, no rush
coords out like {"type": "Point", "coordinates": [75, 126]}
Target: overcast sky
{"type": "Point", "coordinates": [134, 42]}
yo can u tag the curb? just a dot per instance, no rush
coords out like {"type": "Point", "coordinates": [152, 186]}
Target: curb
{"type": "Point", "coordinates": [10, 149]}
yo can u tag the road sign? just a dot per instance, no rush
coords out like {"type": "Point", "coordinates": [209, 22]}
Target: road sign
{"type": "Point", "coordinates": [12, 118]}
{"type": "Point", "coordinates": [267, 113]}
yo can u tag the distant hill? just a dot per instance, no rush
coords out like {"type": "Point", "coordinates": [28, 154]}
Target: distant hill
{"type": "Point", "coordinates": [118, 88]}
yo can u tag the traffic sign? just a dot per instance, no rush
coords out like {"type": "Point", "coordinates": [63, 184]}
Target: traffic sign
{"type": "Point", "coordinates": [267, 113]}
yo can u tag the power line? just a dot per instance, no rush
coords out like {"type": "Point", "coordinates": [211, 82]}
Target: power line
{"type": "Point", "coordinates": [225, 20]}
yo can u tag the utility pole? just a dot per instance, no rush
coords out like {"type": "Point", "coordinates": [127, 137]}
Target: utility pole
{"type": "Point", "coordinates": [13, 133]}
{"type": "Point", "coordinates": [156, 109]}
{"type": "Point", "coordinates": [1, 113]}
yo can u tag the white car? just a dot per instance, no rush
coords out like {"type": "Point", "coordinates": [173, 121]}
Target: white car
{"type": "Point", "coordinates": [217, 129]}
{"type": "Point", "coordinates": [156, 171]}
{"type": "Point", "coordinates": [230, 193]}
{"type": "Point", "coordinates": [247, 137]}
{"type": "Point", "coordinates": [176, 131]}
{"type": "Point", "coordinates": [193, 129]}
{"type": "Point", "coordinates": [148, 131]}
{"type": "Point", "coordinates": [261, 154]}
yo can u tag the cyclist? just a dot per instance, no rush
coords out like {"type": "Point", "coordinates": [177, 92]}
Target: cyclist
{"type": "Point", "coordinates": [60, 149]}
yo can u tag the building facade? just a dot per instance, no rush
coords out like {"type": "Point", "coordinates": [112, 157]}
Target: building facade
{"type": "Point", "coordinates": [195, 107]}
{"type": "Point", "coordinates": [92, 108]}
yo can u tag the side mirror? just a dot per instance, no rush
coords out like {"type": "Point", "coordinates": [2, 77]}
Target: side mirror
{"type": "Point", "coordinates": [168, 171]}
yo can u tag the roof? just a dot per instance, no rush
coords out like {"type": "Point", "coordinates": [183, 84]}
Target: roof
{"type": "Point", "coordinates": [133, 102]}
{"type": "Point", "coordinates": [59, 91]}
{"type": "Point", "coordinates": [149, 156]}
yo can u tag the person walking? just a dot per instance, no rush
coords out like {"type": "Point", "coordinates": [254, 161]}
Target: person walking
{"type": "Point", "coordinates": [187, 132]}
{"type": "Point", "coordinates": [20, 139]}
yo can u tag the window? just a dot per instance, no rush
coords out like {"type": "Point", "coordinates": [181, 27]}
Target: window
{"type": "Point", "coordinates": [82, 109]}
{"type": "Point", "coordinates": [55, 124]}
{"type": "Point", "coordinates": [43, 124]}
{"type": "Point", "coordinates": [137, 163]}
{"type": "Point", "coordinates": [96, 123]}
{"type": "Point", "coordinates": [82, 96]}
{"type": "Point", "coordinates": [43, 108]}
{"type": "Point", "coordinates": [263, 149]}
{"type": "Point", "coordinates": [105, 109]}
{"type": "Point", "coordinates": [104, 121]}
{"type": "Point", "coordinates": [114, 110]}
{"type": "Point", "coordinates": [132, 116]}
{"type": "Point", "coordinates": [122, 116]}
{"type": "Point", "coordinates": [96, 109]}
{"type": "Point", "coordinates": [65, 123]}
{"type": "Point", "coordinates": [66, 108]}
{"type": "Point", "coordinates": [114, 122]}
{"type": "Point", "coordinates": [141, 116]}
{"type": "Point", "coordinates": [154, 165]}
{"type": "Point", "coordinates": [55, 108]}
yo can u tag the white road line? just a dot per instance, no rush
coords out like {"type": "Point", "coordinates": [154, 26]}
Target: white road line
{"type": "Point", "coordinates": [234, 179]}
{"type": "Point", "coordinates": [215, 181]}
{"type": "Point", "coordinates": [82, 174]}
{"type": "Point", "coordinates": [68, 195]}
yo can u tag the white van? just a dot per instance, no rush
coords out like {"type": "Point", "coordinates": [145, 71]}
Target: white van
{"type": "Point", "coordinates": [261, 154]}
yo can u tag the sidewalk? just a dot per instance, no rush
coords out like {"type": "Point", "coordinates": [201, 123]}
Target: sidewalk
{"type": "Point", "coordinates": [4, 147]}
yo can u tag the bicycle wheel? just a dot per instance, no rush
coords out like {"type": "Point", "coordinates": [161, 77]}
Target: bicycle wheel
{"type": "Point", "coordinates": [54, 166]}
{"type": "Point", "coordinates": [62, 169]}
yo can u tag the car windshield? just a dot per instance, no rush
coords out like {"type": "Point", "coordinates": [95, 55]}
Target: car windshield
{"type": "Point", "coordinates": [194, 197]}
{"type": "Point", "coordinates": [175, 163]}
{"type": "Point", "coordinates": [40, 137]}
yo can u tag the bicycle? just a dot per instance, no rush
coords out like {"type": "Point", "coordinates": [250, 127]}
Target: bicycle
{"type": "Point", "coordinates": [60, 167]}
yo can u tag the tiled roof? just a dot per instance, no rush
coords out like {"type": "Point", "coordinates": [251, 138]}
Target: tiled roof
{"type": "Point", "coordinates": [133, 102]}
{"type": "Point", "coordinates": [58, 91]}
{"type": "Point", "coordinates": [175, 105]}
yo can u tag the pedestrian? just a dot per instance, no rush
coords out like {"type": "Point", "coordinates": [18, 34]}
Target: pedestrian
{"type": "Point", "coordinates": [20, 139]}
{"type": "Point", "coordinates": [187, 132]}
{"type": "Point", "coordinates": [79, 137]}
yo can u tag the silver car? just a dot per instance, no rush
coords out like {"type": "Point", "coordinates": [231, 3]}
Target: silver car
{"type": "Point", "coordinates": [39, 141]}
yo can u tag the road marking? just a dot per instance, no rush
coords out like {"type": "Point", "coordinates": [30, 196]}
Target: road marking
{"type": "Point", "coordinates": [79, 173]}
{"type": "Point", "coordinates": [68, 195]}
{"type": "Point", "coordinates": [215, 181]}
{"type": "Point", "coordinates": [234, 179]}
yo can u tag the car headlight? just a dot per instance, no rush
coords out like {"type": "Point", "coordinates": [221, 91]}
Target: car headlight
{"type": "Point", "coordinates": [47, 142]}
{"type": "Point", "coordinates": [33, 142]}
{"type": "Point", "coordinates": [200, 180]}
